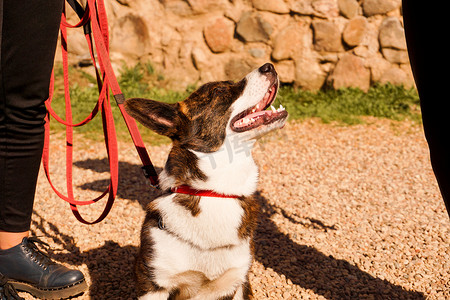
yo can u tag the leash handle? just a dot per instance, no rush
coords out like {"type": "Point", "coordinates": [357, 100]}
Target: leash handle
{"type": "Point", "coordinates": [94, 21]}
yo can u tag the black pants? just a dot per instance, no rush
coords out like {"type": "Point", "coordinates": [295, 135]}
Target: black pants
{"type": "Point", "coordinates": [28, 36]}
{"type": "Point", "coordinates": [426, 30]}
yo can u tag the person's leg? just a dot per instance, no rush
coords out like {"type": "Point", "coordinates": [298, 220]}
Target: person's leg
{"type": "Point", "coordinates": [424, 26]}
{"type": "Point", "coordinates": [11, 239]}
{"type": "Point", "coordinates": [29, 33]}
{"type": "Point", "coordinates": [27, 47]}
{"type": "Point", "coordinates": [28, 36]}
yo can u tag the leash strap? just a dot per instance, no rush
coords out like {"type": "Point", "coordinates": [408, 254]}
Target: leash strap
{"type": "Point", "coordinates": [105, 64]}
{"type": "Point", "coordinates": [94, 21]}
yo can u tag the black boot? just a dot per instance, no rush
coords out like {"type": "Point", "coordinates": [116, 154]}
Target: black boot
{"type": "Point", "coordinates": [7, 291]}
{"type": "Point", "coordinates": [30, 270]}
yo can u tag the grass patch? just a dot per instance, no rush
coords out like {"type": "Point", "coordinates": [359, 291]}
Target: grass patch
{"type": "Point", "coordinates": [345, 106]}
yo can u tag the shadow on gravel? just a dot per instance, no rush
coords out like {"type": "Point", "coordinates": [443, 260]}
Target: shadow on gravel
{"type": "Point", "coordinates": [132, 183]}
{"type": "Point", "coordinates": [311, 269]}
{"type": "Point", "coordinates": [111, 266]}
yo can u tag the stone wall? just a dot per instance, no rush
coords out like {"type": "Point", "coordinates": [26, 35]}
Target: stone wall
{"type": "Point", "coordinates": [313, 43]}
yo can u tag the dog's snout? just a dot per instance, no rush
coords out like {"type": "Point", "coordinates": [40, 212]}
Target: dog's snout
{"type": "Point", "coordinates": [267, 68]}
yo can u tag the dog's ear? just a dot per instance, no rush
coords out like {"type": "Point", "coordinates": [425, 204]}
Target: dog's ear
{"type": "Point", "coordinates": [158, 116]}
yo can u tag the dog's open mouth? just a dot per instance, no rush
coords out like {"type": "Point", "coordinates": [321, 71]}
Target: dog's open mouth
{"type": "Point", "coordinates": [258, 115]}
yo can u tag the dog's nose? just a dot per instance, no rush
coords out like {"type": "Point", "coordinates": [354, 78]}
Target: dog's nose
{"type": "Point", "coordinates": [266, 68]}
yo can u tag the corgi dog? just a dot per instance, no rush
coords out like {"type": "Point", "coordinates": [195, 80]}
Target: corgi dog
{"type": "Point", "coordinates": [196, 240]}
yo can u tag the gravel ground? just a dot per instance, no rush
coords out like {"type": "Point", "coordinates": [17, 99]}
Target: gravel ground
{"type": "Point", "coordinates": [349, 212]}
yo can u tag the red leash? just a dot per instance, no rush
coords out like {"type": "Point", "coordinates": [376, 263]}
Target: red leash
{"type": "Point", "coordinates": [93, 19]}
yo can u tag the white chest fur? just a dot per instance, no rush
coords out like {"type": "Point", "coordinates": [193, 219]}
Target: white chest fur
{"type": "Point", "coordinates": [208, 243]}
{"type": "Point", "coordinates": [215, 226]}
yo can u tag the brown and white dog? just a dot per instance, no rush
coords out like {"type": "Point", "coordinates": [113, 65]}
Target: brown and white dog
{"type": "Point", "coordinates": [196, 241]}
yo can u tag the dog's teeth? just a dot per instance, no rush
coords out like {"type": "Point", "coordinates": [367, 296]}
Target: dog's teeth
{"type": "Point", "coordinates": [273, 108]}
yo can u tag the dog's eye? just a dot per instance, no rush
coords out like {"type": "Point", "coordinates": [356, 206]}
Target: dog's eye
{"type": "Point", "coordinates": [219, 91]}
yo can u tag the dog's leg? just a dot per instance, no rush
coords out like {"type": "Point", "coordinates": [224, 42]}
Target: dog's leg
{"type": "Point", "coordinates": [161, 295]}
{"type": "Point", "coordinates": [247, 293]}
{"type": "Point", "coordinates": [188, 283]}
{"type": "Point", "coordinates": [239, 295]}
{"type": "Point", "coordinates": [145, 286]}
{"type": "Point", "coordinates": [244, 292]}
{"type": "Point", "coordinates": [225, 285]}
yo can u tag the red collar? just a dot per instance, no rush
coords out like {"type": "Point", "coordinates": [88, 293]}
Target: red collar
{"type": "Point", "coordinates": [185, 189]}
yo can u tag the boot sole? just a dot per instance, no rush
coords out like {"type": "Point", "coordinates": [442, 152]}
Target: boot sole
{"type": "Point", "coordinates": [52, 293]}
